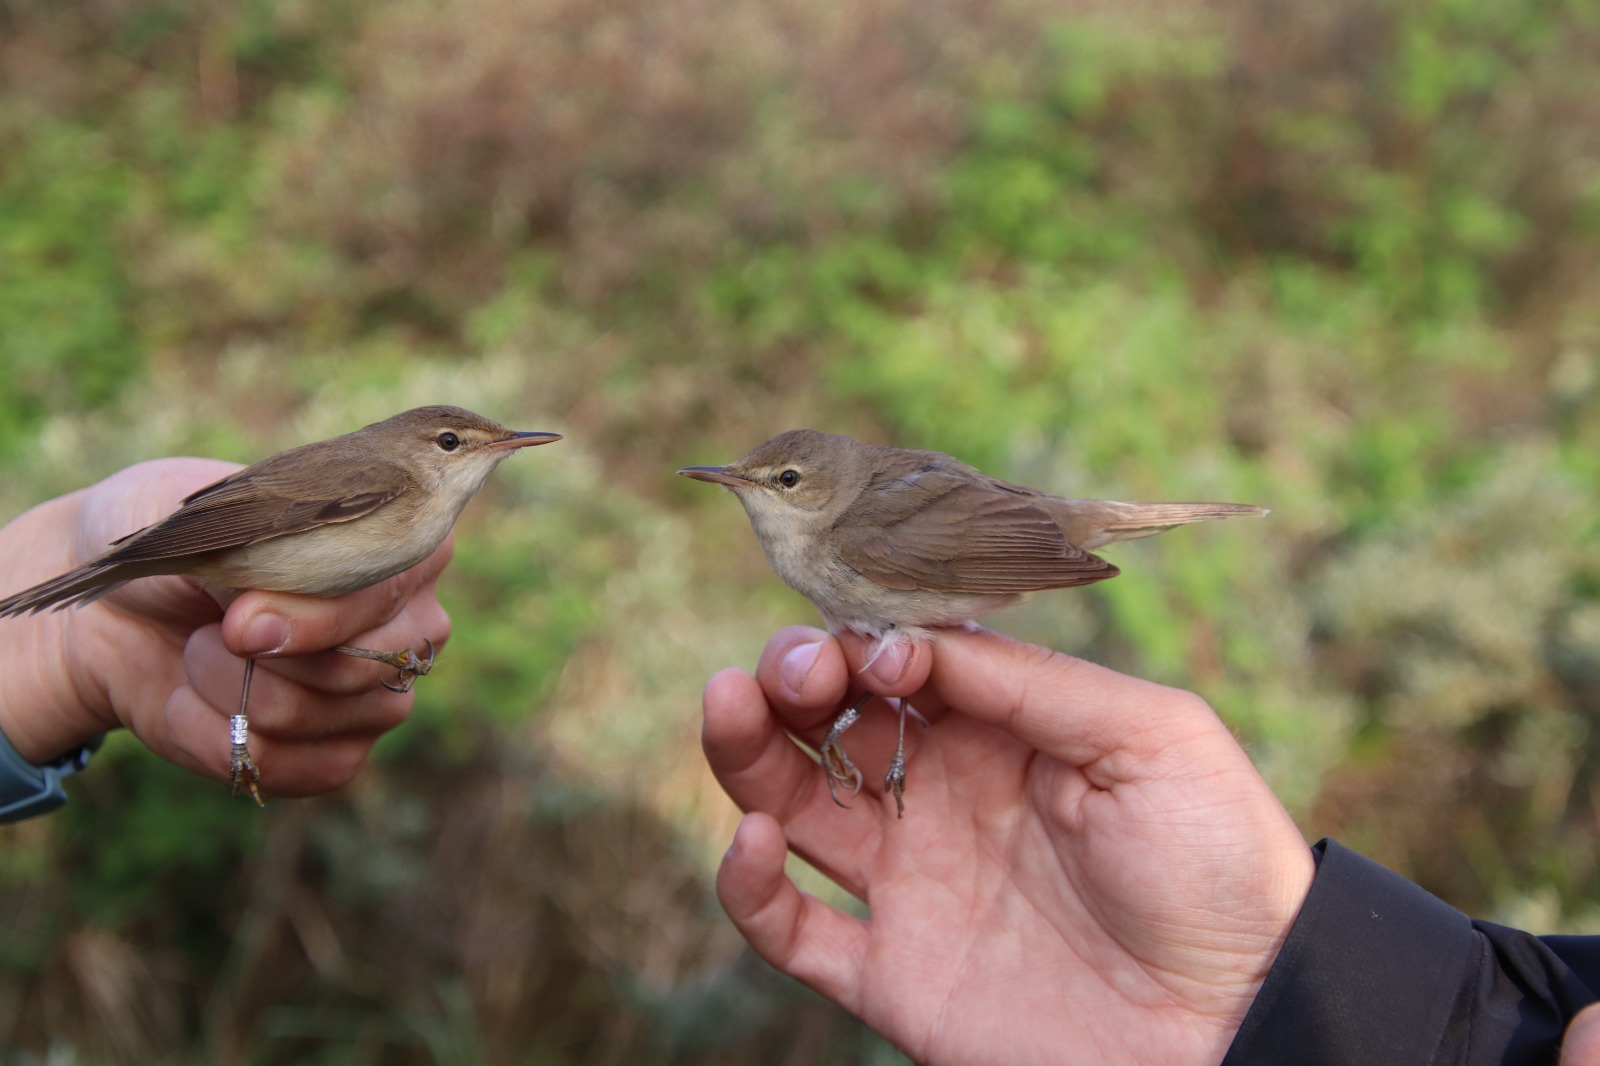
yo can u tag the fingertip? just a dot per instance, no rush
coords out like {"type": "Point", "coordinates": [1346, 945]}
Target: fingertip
{"type": "Point", "coordinates": [725, 691]}
{"type": "Point", "coordinates": [724, 709]}
{"type": "Point", "coordinates": [803, 668]}
{"type": "Point", "coordinates": [897, 666]}
{"type": "Point", "coordinates": [795, 666]}
{"type": "Point", "coordinates": [758, 837]}
{"type": "Point", "coordinates": [751, 875]}
{"type": "Point", "coordinates": [797, 634]}
{"type": "Point", "coordinates": [299, 769]}
{"type": "Point", "coordinates": [722, 679]}
{"type": "Point", "coordinates": [778, 658]}
{"type": "Point", "coordinates": [262, 624]}
{"type": "Point", "coordinates": [263, 632]}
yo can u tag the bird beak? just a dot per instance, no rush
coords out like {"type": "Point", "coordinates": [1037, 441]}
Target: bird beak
{"type": "Point", "coordinates": [525, 440]}
{"type": "Point", "coordinates": [717, 475]}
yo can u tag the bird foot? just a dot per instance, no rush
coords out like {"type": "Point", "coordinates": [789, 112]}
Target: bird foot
{"type": "Point", "coordinates": [840, 770]}
{"type": "Point", "coordinates": [894, 782]}
{"type": "Point", "coordinates": [408, 662]}
{"type": "Point", "coordinates": [242, 771]}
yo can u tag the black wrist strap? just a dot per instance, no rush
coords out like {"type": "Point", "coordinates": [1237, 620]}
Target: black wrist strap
{"type": "Point", "coordinates": [27, 789]}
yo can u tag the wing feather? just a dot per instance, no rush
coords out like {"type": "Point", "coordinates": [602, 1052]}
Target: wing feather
{"type": "Point", "coordinates": [941, 529]}
{"type": "Point", "coordinates": [260, 502]}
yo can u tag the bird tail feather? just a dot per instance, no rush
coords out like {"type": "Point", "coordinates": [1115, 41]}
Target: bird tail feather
{"type": "Point", "coordinates": [1112, 521]}
{"type": "Point", "coordinates": [74, 588]}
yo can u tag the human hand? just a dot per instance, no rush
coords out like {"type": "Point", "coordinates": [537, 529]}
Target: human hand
{"type": "Point", "coordinates": [161, 657]}
{"type": "Point", "coordinates": [1088, 867]}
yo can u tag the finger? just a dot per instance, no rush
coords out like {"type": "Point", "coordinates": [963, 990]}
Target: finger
{"type": "Point", "coordinates": [759, 766]}
{"type": "Point", "coordinates": [196, 736]}
{"type": "Point", "coordinates": [1075, 710]}
{"type": "Point", "coordinates": [301, 769]}
{"type": "Point", "coordinates": [1581, 1047]}
{"type": "Point", "coordinates": [762, 769]}
{"type": "Point", "coordinates": [266, 624]}
{"type": "Point", "coordinates": [798, 934]}
{"type": "Point", "coordinates": [283, 707]}
{"type": "Point", "coordinates": [421, 627]}
{"type": "Point", "coordinates": [804, 675]}
{"type": "Point", "coordinates": [898, 668]}
{"type": "Point", "coordinates": [808, 679]}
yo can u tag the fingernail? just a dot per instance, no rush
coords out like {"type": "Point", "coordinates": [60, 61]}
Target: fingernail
{"type": "Point", "coordinates": [264, 634]}
{"type": "Point", "coordinates": [797, 664]}
{"type": "Point", "coordinates": [889, 665]}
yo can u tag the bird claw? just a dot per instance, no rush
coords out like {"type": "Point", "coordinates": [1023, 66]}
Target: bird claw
{"type": "Point", "coordinates": [840, 770]}
{"type": "Point", "coordinates": [408, 662]}
{"type": "Point", "coordinates": [411, 667]}
{"type": "Point", "coordinates": [242, 773]}
{"type": "Point", "coordinates": [895, 782]}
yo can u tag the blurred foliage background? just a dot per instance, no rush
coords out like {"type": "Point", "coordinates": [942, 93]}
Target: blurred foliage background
{"type": "Point", "coordinates": [1336, 259]}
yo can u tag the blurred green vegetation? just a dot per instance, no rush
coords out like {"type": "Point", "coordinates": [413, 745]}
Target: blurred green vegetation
{"type": "Point", "coordinates": [1338, 259]}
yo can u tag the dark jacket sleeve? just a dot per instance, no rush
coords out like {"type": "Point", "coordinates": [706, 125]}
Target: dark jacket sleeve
{"type": "Point", "coordinates": [1378, 972]}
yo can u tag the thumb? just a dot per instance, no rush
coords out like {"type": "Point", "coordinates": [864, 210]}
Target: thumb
{"type": "Point", "coordinates": [1066, 707]}
{"type": "Point", "coordinates": [1581, 1047]}
{"type": "Point", "coordinates": [260, 624]}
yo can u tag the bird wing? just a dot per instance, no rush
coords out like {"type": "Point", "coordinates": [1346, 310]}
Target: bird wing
{"type": "Point", "coordinates": [947, 530]}
{"type": "Point", "coordinates": [260, 502]}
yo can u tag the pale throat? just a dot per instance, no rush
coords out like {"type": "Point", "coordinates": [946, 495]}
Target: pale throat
{"type": "Point", "coordinates": [789, 537]}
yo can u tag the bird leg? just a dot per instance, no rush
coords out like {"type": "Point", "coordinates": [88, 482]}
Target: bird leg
{"type": "Point", "coordinates": [841, 771]}
{"type": "Point", "coordinates": [408, 662]}
{"type": "Point", "coordinates": [241, 771]}
{"type": "Point", "coordinates": [895, 780]}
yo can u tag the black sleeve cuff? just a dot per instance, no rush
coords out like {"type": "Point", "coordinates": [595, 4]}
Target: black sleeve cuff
{"type": "Point", "coordinates": [1377, 971]}
{"type": "Point", "coordinates": [1368, 975]}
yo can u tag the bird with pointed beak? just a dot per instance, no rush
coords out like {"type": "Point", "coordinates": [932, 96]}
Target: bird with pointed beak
{"type": "Point", "coordinates": [891, 543]}
{"type": "Point", "coordinates": [323, 519]}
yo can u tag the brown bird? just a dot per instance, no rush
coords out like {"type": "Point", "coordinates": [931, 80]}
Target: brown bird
{"type": "Point", "coordinates": [888, 542]}
{"type": "Point", "coordinates": [324, 519]}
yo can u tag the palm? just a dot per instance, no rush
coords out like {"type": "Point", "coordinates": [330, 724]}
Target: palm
{"type": "Point", "coordinates": [139, 661]}
{"type": "Point", "coordinates": [1094, 899]}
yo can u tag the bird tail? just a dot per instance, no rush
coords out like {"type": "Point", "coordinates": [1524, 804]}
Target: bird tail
{"type": "Point", "coordinates": [1101, 522]}
{"type": "Point", "coordinates": [76, 587]}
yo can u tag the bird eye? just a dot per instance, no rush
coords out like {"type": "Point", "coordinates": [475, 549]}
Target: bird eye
{"type": "Point", "coordinates": [789, 478]}
{"type": "Point", "coordinates": [448, 441]}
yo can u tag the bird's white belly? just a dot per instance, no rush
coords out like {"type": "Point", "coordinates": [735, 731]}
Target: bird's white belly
{"type": "Point", "coordinates": [328, 560]}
